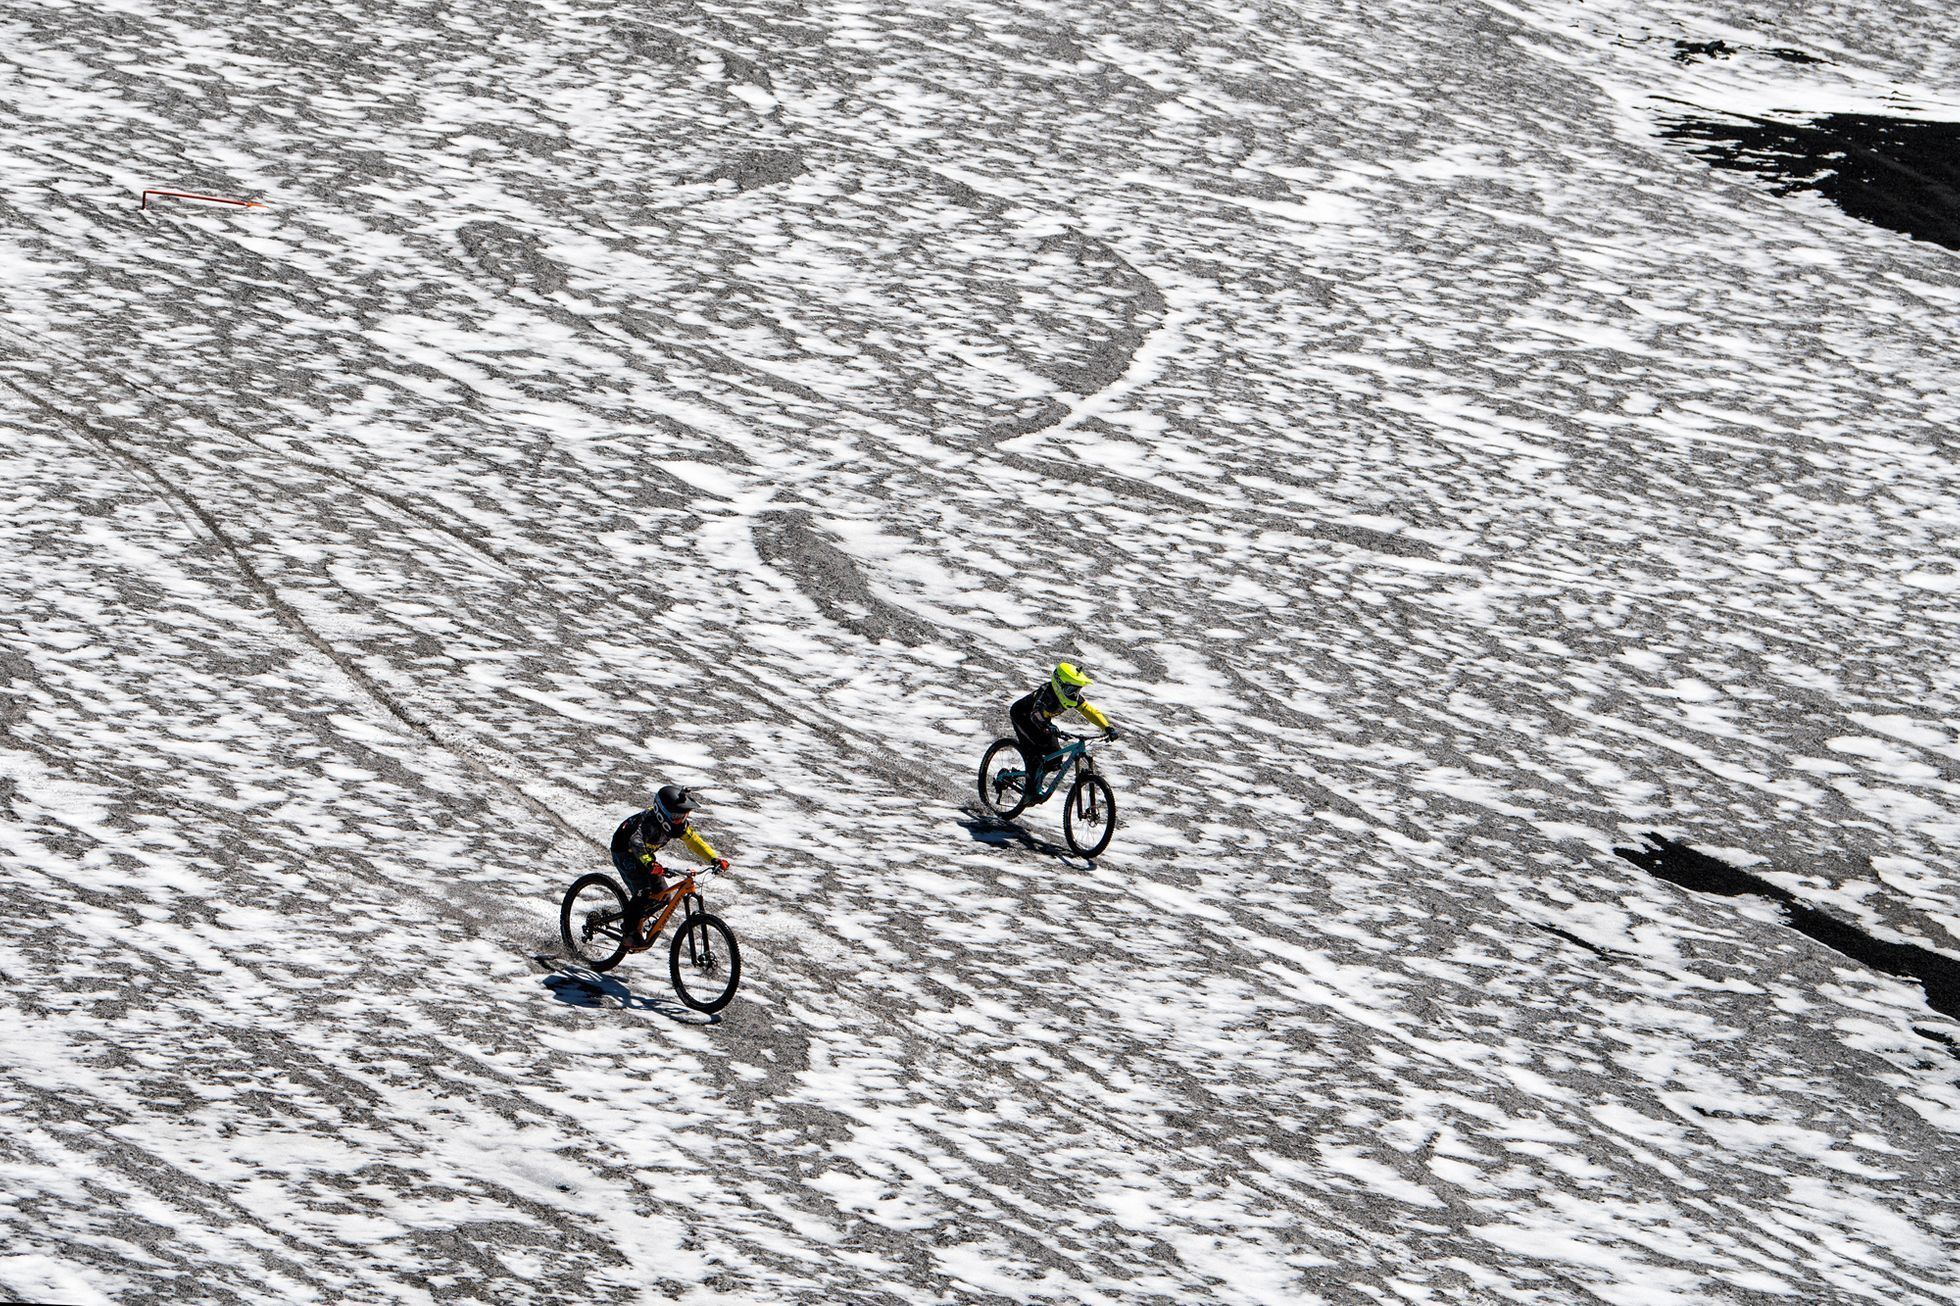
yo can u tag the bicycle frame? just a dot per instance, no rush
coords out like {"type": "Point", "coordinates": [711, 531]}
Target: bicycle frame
{"type": "Point", "coordinates": [673, 895]}
{"type": "Point", "coordinates": [1076, 753]}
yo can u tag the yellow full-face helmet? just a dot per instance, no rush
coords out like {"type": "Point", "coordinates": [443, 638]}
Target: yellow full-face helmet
{"type": "Point", "coordinates": [1069, 681]}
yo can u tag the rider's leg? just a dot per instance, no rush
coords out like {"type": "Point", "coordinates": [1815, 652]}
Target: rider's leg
{"type": "Point", "coordinates": [1027, 735]}
{"type": "Point", "coordinates": [643, 908]}
{"type": "Point", "coordinates": [643, 882]}
{"type": "Point", "coordinates": [1037, 739]}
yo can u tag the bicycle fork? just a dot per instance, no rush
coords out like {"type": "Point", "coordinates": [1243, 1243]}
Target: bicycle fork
{"type": "Point", "coordinates": [699, 952]}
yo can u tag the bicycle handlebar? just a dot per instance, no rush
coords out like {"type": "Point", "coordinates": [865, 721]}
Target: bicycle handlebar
{"type": "Point", "coordinates": [694, 872]}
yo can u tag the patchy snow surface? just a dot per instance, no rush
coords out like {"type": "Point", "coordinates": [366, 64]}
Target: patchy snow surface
{"type": "Point", "coordinates": [1447, 480]}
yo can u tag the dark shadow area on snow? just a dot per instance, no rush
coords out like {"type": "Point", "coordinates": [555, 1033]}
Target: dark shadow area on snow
{"type": "Point", "coordinates": [1902, 174]}
{"type": "Point", "coordinates": [1690, 51]}
{"type": "Point", "coordinates": [1937, 973]}
{"type": "Point", "coordinates": [985, 827]}
{"type": "Point", "coordinates": [1604, 954]}
{"type": "Point", "coordinates": [581, 986]}
{"type": "Point", "coordinates": [1696, 51]}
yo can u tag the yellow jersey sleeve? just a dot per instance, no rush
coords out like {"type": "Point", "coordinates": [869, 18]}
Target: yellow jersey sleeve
{"type": "Point", "coordinates": [695, 844]}
{"type": "Point", "coordinates": [1088, 709]}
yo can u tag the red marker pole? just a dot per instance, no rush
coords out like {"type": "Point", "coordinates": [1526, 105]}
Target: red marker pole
{"type": "Point", "coordinates": [212, 199]}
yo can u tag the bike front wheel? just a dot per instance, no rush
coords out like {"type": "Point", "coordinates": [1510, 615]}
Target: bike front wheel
{"type": "Point", "coordinates": [1003, 779]}
{"type": "Point", "coordinates": [704, 962]}
{"type": "Point", "coordinates": [1089, 815]}
{"type": "Point", "coordinates": [593, 921]}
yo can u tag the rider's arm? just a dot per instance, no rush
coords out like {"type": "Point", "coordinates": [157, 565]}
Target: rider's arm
{"type": "Point", "coordinates": [695, 844]}
{"type": "Point", "coordinates": [1088, 709]}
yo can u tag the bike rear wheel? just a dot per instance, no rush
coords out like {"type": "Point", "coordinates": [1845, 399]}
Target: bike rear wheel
{"type": "Point", "coordinates": [1089, 815]}
{"type": "Point", "coordinates": [704, 962]}
{"type": "Point", "coordinates": [1003, 779]}
{"type": "Point", "coordinates": [593, 922]}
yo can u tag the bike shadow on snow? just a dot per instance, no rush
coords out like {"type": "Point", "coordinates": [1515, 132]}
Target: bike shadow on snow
{"type": "Point", "coordinates": [985, 827]}
{"type": "Point", "coordinates": [581, 986]}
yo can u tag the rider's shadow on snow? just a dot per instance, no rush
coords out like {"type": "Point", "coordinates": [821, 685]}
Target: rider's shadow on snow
{"type": "Point", "coordinates": [581, 986]}
{"type": "Point", "coordinates": [985, 827]}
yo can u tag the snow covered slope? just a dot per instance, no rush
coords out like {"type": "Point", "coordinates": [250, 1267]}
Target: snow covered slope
{"type": "Point", "coordinates": [1448, 479]}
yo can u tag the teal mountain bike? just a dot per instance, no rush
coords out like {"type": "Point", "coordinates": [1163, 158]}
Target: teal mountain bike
{"type": "Point", "coordinates": [1089, 811]}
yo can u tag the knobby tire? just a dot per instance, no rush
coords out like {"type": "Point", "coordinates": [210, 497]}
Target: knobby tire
{"type": "Point", "coordinates": [1006, 802]}
{"type": "Point", "coordinates": [1089, 815]}
{"type": "Point", "coordinates": [592, 898]}
{"type": "Point", "coordinates": [704, 962]}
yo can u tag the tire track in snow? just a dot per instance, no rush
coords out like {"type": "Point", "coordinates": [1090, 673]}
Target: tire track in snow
{"type": "Point", "coordinates": [480, 551]}
{"type": "Point", "coordinates": [206, 525]}
{"type": "Point", "coordinates": [832, 726]}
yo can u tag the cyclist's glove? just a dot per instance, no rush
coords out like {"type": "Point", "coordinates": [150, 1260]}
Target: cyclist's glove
{"type": "Point", "coordinates": [721, 863]}
{"type": "Point", "coordinates": [1110, 733]}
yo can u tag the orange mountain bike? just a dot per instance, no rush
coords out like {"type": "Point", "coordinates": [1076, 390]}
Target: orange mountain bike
{"type": "Point", "coordinates": [600, 924]}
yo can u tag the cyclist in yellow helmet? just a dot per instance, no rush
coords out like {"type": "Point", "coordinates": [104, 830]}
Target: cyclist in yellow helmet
{"type": "Point", "coordinates": [1033, 714]}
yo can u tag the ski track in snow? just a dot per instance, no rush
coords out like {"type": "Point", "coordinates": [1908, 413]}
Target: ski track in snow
{"type": "Point", "coordinates": [1446, 479]}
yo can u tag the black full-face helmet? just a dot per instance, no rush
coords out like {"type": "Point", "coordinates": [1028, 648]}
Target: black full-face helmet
{"type": "Point", "coordinates": [673, 803]}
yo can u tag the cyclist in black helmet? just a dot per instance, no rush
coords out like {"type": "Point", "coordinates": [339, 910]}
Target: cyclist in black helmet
{"type": "Point", "coordinates": [643, 834]}
{"type": "Point", "coordinates": [1032, 715]}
